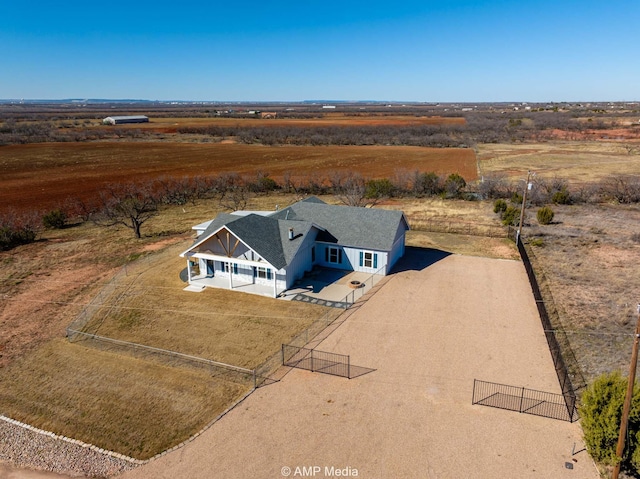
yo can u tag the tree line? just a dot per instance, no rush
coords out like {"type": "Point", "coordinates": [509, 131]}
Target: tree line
{"type": "Point", "coordinates": [132, 204]}
{"type": "Point", "coordinates": [479, 127]}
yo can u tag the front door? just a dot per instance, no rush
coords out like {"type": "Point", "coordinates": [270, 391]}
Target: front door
{"type": "Point", "coordinates": [210, 264]}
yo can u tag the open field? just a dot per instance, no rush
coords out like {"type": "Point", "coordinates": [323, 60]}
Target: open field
{"type": "Point", "coordinates": [171, 125]}
{"type": "Point", "coordinates": [577, 162]}
{"type": "Point", "coordinates": [41, 176]}
{"type": "Point", "coordinates": [589, 257]}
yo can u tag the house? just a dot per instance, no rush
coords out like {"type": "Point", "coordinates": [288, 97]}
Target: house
{"type": "Point", "coordinates": [274, 249]}
{"type": "Point", "coordinates": [119, 120]}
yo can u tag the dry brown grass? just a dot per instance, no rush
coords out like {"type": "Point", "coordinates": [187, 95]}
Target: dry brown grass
{"type": "Point", "coordinates": [464, 244]}
{"type": "Point", "coordinates": [151, 308]}
{"type": "Point", "coordinates": [119, 403]}
{"type": "Point", "coordinates": [131, 405]}
{"type": "Point", "coordinates": [590, 260]}
{"type": "Point", "coordinates": [577, 162]}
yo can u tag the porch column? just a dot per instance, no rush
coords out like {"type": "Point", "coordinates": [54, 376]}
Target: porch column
{"type": "Point", "coordinates": [275, 288]}
{"type": "Point", "coordinates": [188, 270]}
{"type": "Point", "coordinates": [230, 275]}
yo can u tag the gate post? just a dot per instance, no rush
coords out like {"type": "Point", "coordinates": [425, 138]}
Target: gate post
{"type": "Point", "coordinates": [312, 361]}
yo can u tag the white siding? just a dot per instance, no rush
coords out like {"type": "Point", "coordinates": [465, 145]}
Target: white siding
{"type": "Point", "coordinates": [397, 250]}
{"type": "Point", "coordinates": [302, 261]}
{"type": "Point", "coordinates": [380, 260]}
{"type": "Point", "coordinates": [350, 258]}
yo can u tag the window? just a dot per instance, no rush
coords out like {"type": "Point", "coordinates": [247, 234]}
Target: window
{"type": "Point", "coordinates": [235, 268]}
{"type": "Point", "coordinates": [333, 255]}
{"type": "Point", "coordinates": [368, 259]}
{"type": "Point", "coordinates": [264, 273]}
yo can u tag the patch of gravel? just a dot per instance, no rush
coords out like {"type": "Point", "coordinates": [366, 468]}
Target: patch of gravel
{"type": "Point", "coordinates": [23, 447]}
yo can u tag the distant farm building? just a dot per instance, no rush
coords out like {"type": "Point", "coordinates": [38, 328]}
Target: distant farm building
{"type": "Point", "coordinates": [119, 120]}
{"type": "Point", "coordinates": [268, 114]}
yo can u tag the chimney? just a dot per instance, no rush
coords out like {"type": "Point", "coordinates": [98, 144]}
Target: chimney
{"type": "Point", "coordinates": [290, 233]}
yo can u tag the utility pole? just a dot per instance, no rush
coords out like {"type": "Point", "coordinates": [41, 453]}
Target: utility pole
{"type": "Point", "coordinates": [627, 400]}
{"type": "Point", "coordinates": [524, 203]}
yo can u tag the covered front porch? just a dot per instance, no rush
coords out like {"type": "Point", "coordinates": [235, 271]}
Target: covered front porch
{"type": "Point", "coordinates": [230, 273]}
{"type": "Point", "coordinates": [199, 283]}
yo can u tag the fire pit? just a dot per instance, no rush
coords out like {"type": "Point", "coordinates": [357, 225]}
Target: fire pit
{"type": "Point", "coordinates": [355, 284]}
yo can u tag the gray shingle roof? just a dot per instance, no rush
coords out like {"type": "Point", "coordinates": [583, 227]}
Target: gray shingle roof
{"type": "Point", "coordinates": [269, 237]}
{"type": "Point", "coordinates": [347, 225]}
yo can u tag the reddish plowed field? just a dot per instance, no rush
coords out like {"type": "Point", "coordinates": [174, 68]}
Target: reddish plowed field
{"type": "Point", "coordinates": [171, 125]}
{"type": "Point", "coordinates": [41, 176]}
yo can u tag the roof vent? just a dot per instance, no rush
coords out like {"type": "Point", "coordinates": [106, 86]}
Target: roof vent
{"type": "Point", "coordinates": [290, 233]}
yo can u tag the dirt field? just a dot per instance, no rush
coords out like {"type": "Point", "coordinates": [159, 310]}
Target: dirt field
{"type": "Point", "coordinates": [41, 176]}
{"type": "Point", "coordinates": [171, 125]}
{"type": "Point", "coordinates": [427, 340]}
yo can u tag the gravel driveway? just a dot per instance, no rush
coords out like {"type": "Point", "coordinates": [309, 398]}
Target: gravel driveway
{"type": "Point", "coordinates": [435, 326]}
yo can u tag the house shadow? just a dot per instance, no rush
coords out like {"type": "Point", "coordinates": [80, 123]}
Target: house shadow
{"type": "Point", "coordinates": [417, 259]}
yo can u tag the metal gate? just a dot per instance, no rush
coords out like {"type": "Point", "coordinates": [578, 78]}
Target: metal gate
{"type": "Point", "coordinates": [529, 401]}
{"type": "Point", "coordinates": [316, 361]}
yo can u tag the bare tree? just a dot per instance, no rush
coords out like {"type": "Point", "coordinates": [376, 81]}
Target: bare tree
{"type": "Point", "coordinates": [352, 191]}
{"type": "Point", "coordinates": [491, 187]}
{"type": "Point", "coordinates": [129, 205]}
{"type": "Point", "coordinates": [622, 188]}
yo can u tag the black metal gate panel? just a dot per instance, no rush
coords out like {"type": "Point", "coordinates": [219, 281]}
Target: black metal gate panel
{"type": "Point", "coordinates": [316, 361]}
{"type": "Point", "coordinates": [529, 401]}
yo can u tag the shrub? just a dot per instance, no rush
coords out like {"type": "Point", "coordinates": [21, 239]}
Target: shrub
{"type": "Point", "coordinates": [381, 188]}
{"type": "Point", "coordinates": [17, 230]}
{"type": "Point", "coordinates": [516, 198]}
{"type": "Point", "coordinates": [561, 197]}
{"type": "Point", "coordinates": [545, 215]}
{"type": "Point", "coordinates": [499, 206]}
{"type": "Point", "coordinates": [510, 216]}
{"type": "Point", "coordinates": [600, 412]}
{"type": "Point", "coordinates": [454, 184]}
{"type": "Point", "coordinates": [537, 242]}
{"type": "Point", "coordinates": [54, 219]}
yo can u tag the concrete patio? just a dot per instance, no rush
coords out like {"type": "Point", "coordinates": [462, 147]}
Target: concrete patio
{"type": "Point", "coordinates": [324, 285]}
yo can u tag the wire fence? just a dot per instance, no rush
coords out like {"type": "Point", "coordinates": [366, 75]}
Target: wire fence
{"type": "Point", "coordinates": [84, 328]}
{"type": "Point", "coordinates": [227, 372]}
{"type": "Point", "coordinates": [437, 225]}
{"type": "Point", "coordinates": [562, 371]}
{"type": "Point", "coordinates": [103, 303]}
{"type": "Point", "coordinates": [528, 401]}
{"type": "Point", "coordinates": [363, 287]}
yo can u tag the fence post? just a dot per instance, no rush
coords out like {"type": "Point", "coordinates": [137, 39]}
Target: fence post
{"type": "Point", "coordinates": [349, 367]}
{"type": "Point", "coordinates": [521, 399]}
{"type": "Point", "coordinates": [282, 349]}
{"type": "Point", "coordinates": [312, 370]}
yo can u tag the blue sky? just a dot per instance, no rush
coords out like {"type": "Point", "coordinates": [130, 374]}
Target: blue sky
{"type": "Point", "coordinates": [435, 51]}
